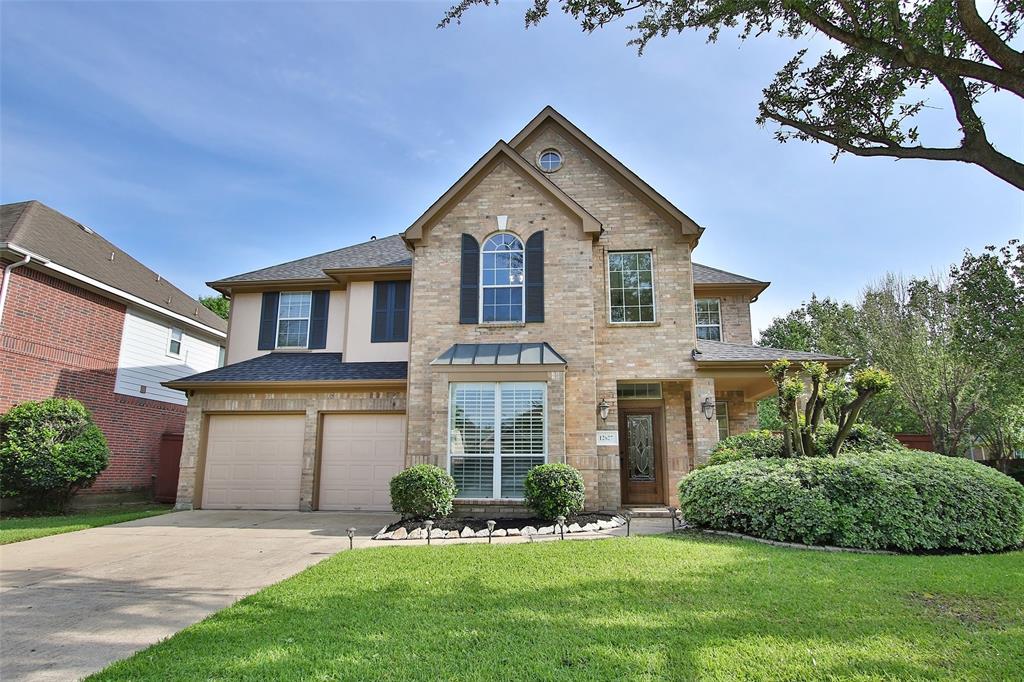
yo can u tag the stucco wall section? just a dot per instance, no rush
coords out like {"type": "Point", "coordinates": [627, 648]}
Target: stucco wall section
{"type": "Point", "coordinates": [244, 329]}
{"type": "Point", "coordinates": [358, 347]}
{"type": "Point", "coordinates": [311, 404]}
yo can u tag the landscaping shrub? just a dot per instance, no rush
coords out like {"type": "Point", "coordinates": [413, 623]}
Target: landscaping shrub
{"type": "Point", "coordinates": [49, 450]}
{"type": "Point", "coordinates": [554, 490]}
{"type": "Point", "coordinates": [862, 438]}
{"type": "Point", "coordinates": [750, 445]}
{"type": "Point", "coordinates": [423, 491]}
{"type": "Point", "coordinates": [909, 501]}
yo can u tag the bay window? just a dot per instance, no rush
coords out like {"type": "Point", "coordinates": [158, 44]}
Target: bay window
{"type": "Point", "coordinates": [497, 432]}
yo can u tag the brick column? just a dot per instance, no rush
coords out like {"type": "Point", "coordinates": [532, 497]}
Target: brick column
{"type": "Point", "coordinates": [308, 458]}
{"type": "Point", "coordinates": [675, 436]}
{"type": "Point", "coordinates": [705, 431]}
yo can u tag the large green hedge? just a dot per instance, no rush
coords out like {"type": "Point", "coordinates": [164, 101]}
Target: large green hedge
{"type": "Point", "coordinates": [909, 501]}
{"type": "Point", "coordinates": [762, 443]}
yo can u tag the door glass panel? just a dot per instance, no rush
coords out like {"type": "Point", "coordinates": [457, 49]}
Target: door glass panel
{"type": "Point", "coordinates": [640, 437]}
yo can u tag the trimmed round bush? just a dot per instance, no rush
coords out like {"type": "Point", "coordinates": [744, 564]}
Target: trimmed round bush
{"type": "Point", "coordinates": [909, 501]}
{"type": "Point", "coordinates": [750, 445]}
{"type": "Point", "coordinates": [48, 450]}
{"type": "Point", "coordinates": [862, 438]}
{"type": "Point", "coordinates": [423, 491]}
{"type": "Point", "coordinates": [554, 490]}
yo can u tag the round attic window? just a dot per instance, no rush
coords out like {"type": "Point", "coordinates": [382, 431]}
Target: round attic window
{"type": "Point", "coordinates": [550, 160]}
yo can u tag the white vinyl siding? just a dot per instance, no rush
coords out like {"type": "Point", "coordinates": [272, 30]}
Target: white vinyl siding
{"type": "Point", "coordinates": [144, 362]}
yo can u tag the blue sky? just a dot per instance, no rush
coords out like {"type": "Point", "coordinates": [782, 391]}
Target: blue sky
{"type": "Point", "coordinates": [209, 139]}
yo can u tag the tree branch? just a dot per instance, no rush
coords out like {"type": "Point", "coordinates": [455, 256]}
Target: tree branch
{"type": "Point", "coordinates": [986, 38]}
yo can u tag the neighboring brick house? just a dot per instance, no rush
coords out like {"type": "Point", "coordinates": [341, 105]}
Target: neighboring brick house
{"type": "Point", "coordinates": [545, 308]}
{"type": "Point", "coordinates": [80, 318]}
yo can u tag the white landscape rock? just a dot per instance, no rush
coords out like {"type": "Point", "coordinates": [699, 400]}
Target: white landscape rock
{"type": "Point", "coordinates": [574, 528]}
{"type": "Point", "coordinates": [482, 533]}
{"type": "Point", "coordinates": [416, 534]}
{"type": "Point", "coordinates": [591, 527]}
{"type": "Point", "coordinates": [514, 531]}
{"type": "Point", "coordinates": [529, 530]}
{"type": "Point", "coordinates": [382, 536]}
{"type": "Point", "coordinates": [546, 530]}
{"type": "Point", "coordinates": [606, 525]}
{"type": "Point", "coordinates": [400, 533]}
{"type": "Point", "coordinates": [500, 533]}
{"type": "Point", "coordinates": [437, 533]}
{"type": "Point", "coordinates": [467, 532]}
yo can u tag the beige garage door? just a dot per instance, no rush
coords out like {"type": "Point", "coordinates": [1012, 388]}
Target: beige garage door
{"type": "Point", "coordinates": [361, 452]}
{"type": "Point", "coordinates": [253, 462]}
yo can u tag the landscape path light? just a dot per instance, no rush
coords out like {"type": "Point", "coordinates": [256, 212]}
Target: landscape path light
{"type": "Point", "coordinates": [428, 525]}
{"type": "Point", "coordinates": [490, 531]}
{"type": "Point", "coordinates": [672, 513]}
{"type": "Point", "coordinates": [561, 525]}
{"type": "Point", "coordinates": [628, 515]}
{"type": "Point", "coordinates": [351, 536]}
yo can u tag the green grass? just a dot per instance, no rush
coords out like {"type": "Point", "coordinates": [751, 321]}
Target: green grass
{"type": "Point", "coordinates": [665, 607]}
{"type": "Point", "coordinates": [16, 529]}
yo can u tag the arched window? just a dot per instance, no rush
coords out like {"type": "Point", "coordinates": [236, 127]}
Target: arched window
{"type": "Point", "coordinates": [502, 275]}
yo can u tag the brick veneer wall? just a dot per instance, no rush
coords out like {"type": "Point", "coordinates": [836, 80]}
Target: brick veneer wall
{"type": "Point", "coordinates": [59, 340]}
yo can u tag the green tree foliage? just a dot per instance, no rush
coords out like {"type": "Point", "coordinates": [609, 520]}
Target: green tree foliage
{"type": "Point", "coordinates": [220, 305]}
{"type": "Point", "coordinates": [883, 63]}
{"type": "Point", "coordinates": [49, 450]}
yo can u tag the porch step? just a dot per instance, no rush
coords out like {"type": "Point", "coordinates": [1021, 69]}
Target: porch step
{"type": "Point", "coordinates": [649, 512]}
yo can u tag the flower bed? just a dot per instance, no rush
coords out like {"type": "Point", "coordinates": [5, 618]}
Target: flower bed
{"type": "Point", "coordinates": [477, 527]}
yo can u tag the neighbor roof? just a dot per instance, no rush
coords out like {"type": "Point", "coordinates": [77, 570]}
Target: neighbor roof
{"type": "Point", "coordinates": [718, 351]}
{"type": "Point", "coordinates": [389, 251]}
{"type": "Point", "coordinates": [34, 227]}
{"type": "Point", "coordinates": [500, 354]}
{"type": "Point", "coordinates": [291, 367]}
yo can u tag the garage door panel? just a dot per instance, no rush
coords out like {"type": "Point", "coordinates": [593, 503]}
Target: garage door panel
{"type": "Point", "coordinates": [360, 454]}
{"type": "Point", "coordinates": [253, 462]}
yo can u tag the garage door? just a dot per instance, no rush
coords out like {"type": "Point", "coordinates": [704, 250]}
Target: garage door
{"type": "Point", "coordinates": [360, 454]}
{"type": "Point", "coordinates": [253, 462]}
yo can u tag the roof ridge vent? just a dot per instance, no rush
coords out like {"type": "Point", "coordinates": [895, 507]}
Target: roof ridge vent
{"type": "Point", "coordinates": [168, 300]}
{"type": "Point", "coordinates": [87, 230]}
{"type": "Point", "coordinates": [111, 256]}
{"type": "Point", "coordinates": [158, 277]}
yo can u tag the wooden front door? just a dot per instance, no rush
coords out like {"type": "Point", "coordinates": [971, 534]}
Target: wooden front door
{"type": "Point", "coordinates": [640, 454]}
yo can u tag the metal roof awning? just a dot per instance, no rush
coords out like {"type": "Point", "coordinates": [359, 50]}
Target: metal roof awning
{"type": "Point", "coordinates": [500, 354]}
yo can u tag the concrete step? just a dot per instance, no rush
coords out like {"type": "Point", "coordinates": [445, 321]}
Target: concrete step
{"type": "Point", "coordinates": [649, 512]}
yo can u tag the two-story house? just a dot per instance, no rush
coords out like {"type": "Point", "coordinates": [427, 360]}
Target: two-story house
{"type": "Point", "coordinates": [80, 318]}
{"type": "Point", "coordinates": [544, 309]}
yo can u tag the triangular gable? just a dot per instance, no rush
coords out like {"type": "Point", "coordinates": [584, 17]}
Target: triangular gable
{"type": "Point", "coordinates": [641, 189]}
{"type": "Point", "coordinates": [501, 151]}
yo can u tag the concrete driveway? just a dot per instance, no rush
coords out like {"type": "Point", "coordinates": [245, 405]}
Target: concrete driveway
{"type": "Point", "coordinates": [71, 604]}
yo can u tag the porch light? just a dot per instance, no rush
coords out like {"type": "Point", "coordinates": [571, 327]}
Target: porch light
{"type": "Point", "coordinates": [427, 525]}
{"type": "Point", "coordinates": [351, 536]}
{"type": "Point", "coordinates": [602, 408]}
{"type": "Point", "coordinates": [708, 408]}
{"type": "Point", "coordinates": [490, 531]}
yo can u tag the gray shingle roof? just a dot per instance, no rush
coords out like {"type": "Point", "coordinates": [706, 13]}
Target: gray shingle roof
{"type": "Point", "coordinates": [718, 351]}
{"type": "Point", "coordinates": [292, 367]}
{"type": "Point", "coordinates": [704, 274]}
{"type": "Point", "coordinates": [384, 252]}
{"type": "Point", "coordinates": [499, 354]}
{"type": "Point", "coordinates": [38, 228]}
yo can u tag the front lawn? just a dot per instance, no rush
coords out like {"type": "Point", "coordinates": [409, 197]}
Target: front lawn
{"type": "Point", "coordinates": [18, 528]}
{"type": "Point", "coordinates": [668, 607]}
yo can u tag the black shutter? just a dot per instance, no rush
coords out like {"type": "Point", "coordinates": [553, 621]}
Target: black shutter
{"type": "Point", "coordinates": [268, 321]}
{"type": "Point", "coordinates": [390, 312]}
{"type": "Point", "coordinates": [318, 320]}
{"type": "Point", "coordinates": [535, 277]}
{"type": "Point", "coordinates": [469, 295]}
{"type": "Point", "coordinates": [400, 312]}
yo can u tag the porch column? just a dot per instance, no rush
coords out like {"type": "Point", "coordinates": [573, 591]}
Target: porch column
{"type": "Point", "coordinates": [705, 431]}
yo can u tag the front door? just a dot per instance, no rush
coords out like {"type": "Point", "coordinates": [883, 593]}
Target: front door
{"type": "Point", "coordinates": [640, 455]}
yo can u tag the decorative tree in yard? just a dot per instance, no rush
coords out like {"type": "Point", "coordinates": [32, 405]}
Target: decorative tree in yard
{"type": "Point", "coordinates": [865, 92]}
{"type": "Point", "coordinates": [848, 397]}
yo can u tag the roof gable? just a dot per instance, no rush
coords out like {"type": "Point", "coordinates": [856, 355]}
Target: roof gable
{"type": "Point", "coordinates": [56, 238]}
{"type": "Point", "coordinates": [646, 193]}
{"type": "Point", "coordinates": [500, 152]}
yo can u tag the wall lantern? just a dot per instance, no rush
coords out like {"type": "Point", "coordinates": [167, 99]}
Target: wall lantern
{"type": "Point", "coordinates": [708, 408]}
{"type": "Point", "coordinates": [602, 409]}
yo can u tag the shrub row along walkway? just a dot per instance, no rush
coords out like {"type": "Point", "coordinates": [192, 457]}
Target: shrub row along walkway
{"type": "Point", "coordinates": [73, 603]}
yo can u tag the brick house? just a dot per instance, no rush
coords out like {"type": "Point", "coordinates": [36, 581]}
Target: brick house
{"type": "Point", "coordinates": [544, 309]}
{"type": "Point", "coordinates": [80, 318]}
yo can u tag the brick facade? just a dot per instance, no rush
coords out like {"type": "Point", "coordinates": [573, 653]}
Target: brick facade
{"type": "Point", "coordinates": [59, 340]}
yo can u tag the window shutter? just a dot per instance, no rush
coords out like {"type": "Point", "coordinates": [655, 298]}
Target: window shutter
{"type": "Point", "coordinates": [268, 321]}
{"type": "Point", "coordinates": [318, 320]}
{"type": "Point", "coordinates": [379, 323]}
{"type": "Point", "coordinates": [469, 296]}
{"type": "Point", "coordinates": [400, 312]}
{"type": "Point", "coordinates": [390, 312]}
{"type": "Point", "coordinates": [535, 277]}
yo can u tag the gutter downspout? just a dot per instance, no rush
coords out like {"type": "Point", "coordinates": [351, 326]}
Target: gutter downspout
{"type": "Point", "coordinates": [7, 282]}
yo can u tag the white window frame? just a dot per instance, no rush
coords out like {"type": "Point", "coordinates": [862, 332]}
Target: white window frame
{"type": "Point", "coordinates": [496, 454]}
{"type": "Point", "coordinates": [180, 340]}
{"type": "Point", "coordinates": [718, 302]}
{"type": "Point", "coordinates": [722, 410]}
{"type": "Point", "coordinates": [608, 281]}
{"type": "Point", "coordinates": [521, 285]}
{"type": "Point", "coordinates": [280, 318]}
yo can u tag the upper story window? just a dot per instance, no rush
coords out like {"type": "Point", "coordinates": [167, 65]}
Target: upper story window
{"type": "Point", "coordinates": [502, 276]}
{"type": "Point", "coordinates": [631, 286]}
{"type": "Point", "coordinates": [293, 311]}
{"type": "Point", "coordinates": [174, 342]}
{"type": "Point", "coordinates": [709, 319]}
{"type": "Point", "coordinates": [390, 312]}
{"type": "Point", "coordinates": [550, 160]}
{"type": "Point", "coordinates": [497, 432]}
